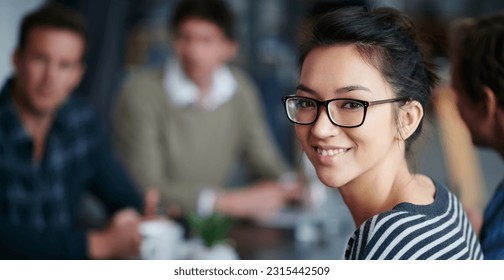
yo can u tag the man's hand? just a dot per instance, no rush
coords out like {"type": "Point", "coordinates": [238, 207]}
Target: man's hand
{"type": "Point", "coordinates": [258, 202]}
{"type": "Point", "coordinates": [151, 204]}
{"type": "Point", "coordinates": [121, 239]}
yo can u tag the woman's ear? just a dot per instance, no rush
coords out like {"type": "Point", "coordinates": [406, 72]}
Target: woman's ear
{"type": "Point", "coordinates": [409, 118]}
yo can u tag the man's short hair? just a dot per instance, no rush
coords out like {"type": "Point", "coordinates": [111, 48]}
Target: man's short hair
{"type": "Point", "coordinates": [52, 15]}
{"type": "Point", "coordinates": [214, 11]}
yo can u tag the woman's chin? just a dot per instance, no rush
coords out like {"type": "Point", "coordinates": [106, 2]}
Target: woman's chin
{"type": "Point", "coordinates": [330, 180]}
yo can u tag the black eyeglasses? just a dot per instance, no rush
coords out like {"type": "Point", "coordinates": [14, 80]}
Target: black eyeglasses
{"type": "Point", "coordinates": [343, 112]}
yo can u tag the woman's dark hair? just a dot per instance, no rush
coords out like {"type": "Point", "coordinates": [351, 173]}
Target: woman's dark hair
{"type": "Point", "coordinates": [52, 15]}
{"type": "Point", "coordinates": [385, 38]}
{"type": "Point", "coordinates": [214, 11]}
{"type": "Point", "coordinates": [477, 56]}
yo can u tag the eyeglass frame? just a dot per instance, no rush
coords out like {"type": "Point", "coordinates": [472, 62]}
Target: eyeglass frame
{"type": "Point", "coordinates": [325, 104]}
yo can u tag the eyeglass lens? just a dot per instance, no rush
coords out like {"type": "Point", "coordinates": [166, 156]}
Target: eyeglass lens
{"type": "Point", "coordinates": [345, 112]}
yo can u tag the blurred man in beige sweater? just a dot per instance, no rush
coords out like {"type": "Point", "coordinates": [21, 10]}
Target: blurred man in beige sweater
{"type": "Point", "coordinates": [183, 128]}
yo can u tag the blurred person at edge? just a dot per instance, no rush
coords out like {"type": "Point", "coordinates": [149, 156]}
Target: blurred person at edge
{"type": "Point", "coordinates": [359, 105]}
{"type": "Point", "coordinates": [182, 128]}
{"type": "Point", "coordinates": [477, 59]}
{"type": "Point", "coordinates": [52, 150]}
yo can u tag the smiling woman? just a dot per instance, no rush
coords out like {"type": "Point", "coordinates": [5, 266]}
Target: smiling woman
{"type": "Point", "coordinates": [365, 70]}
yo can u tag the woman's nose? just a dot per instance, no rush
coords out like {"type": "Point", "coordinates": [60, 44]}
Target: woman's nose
{"type": "Point", "coordinates": [323, 126]}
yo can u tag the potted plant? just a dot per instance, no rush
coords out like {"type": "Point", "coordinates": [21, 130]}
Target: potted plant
{"type": "Point", "coordinates": [212, 231]}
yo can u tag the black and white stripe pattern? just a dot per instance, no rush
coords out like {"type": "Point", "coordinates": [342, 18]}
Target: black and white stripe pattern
{"type": "Point", "coordinates": [437, 231]}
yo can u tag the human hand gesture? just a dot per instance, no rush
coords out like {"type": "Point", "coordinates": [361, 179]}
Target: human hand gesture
{"type": "Point", "coordinates": [121, 239]}
{"type": "Point", "coordinates": [259, 202]}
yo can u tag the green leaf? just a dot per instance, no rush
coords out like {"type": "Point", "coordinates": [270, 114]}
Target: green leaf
{"type": "Point", "coordinates": [212, 229]}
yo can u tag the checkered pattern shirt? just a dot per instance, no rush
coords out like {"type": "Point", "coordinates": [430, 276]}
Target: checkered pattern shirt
{"type": "Point", "coordinates": [39, 200]}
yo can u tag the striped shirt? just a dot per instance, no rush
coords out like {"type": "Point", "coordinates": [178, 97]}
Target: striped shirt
{"type": "Point", "coordinates": [440, 230]}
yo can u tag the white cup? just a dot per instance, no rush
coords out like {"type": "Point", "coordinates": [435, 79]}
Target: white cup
{"type": "Point", "coordinates": [161, 240]}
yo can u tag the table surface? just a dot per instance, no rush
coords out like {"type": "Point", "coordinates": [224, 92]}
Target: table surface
{"type": "Point", "coordinates": [281, 241]}
{"type": "Point", "coordinates": [255, 242]}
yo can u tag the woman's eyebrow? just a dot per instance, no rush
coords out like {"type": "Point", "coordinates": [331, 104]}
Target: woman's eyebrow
{"type": "Point", "coordinates": [352, 88]}
{"type": "Point", "coordinates": [344, 89]}
{"type": "Point", "coordinates": [304, 88]}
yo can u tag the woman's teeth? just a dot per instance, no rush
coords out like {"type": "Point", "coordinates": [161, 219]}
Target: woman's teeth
{"type": "Point", "coordinates": [330, 152]}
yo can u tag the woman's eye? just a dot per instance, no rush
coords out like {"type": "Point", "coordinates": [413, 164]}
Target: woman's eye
{"type": "Point", "coordinates": [306, 104]}
{"type": "Point", "coordinates": [352, 105]}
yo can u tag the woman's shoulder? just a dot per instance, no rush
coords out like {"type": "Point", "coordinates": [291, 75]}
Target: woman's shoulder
{"type": "Point", "coordinates": [393, 221]}
{"type": "Point", "coordinates": [417, 219]}
{"type": "Point", "coordinates": [409, 232]}
{"type": "Point", "coordinates": [381, 234]}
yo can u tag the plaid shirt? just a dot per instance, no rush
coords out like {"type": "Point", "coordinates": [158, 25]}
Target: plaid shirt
{"type": "Point", "coordinates": [39, 201]}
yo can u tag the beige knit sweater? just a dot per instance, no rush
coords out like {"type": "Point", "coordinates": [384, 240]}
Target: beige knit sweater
{"type": "Point", "coordinates": [181, 150]}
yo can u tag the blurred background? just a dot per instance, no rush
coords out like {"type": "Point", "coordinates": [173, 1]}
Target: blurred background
{"type": "Point", "coordinates": [129, 34]}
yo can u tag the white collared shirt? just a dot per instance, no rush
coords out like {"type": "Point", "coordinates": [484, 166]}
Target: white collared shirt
{"type": "Point", "coordinates": [184, 92]}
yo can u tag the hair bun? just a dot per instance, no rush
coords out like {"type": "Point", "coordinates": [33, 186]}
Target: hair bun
{"type": "Point", "coordinates": [401, 21]}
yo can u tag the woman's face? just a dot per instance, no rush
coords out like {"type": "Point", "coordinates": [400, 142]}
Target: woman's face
{"type": "Point", "coordinates": [338, 154]}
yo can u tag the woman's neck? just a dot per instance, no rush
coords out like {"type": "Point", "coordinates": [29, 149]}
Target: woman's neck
{"type": "Point", "coordinates": [374, 192]}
